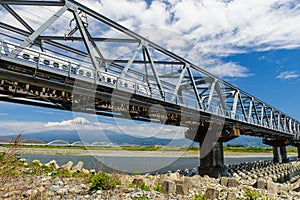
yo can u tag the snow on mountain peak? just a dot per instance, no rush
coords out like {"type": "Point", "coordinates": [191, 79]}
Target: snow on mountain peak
{"type": "Point", "coordinates": [79, 121]}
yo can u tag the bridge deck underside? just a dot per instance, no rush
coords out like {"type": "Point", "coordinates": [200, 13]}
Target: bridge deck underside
{"type": "Point", "coordinates": [23, 85]}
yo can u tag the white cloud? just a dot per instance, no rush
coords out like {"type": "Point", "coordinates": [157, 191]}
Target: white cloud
{"type": "Point", "coordinates": [288, 75]}
{"type": "Point", "coordinates": [208, 27]}
{"type": "Point", "coordinates": [222, 27]}
{"type": "Point", "coordinates": [229, 69]}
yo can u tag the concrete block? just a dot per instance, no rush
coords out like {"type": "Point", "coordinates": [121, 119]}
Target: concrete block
{"type": "Point", "coordinates": [168, 187]}
{"type": "Point", "coordinates": [211, 193]}
{"type": "Point", "coordinates": [224, 181]}
{"type": "Point", "coordinates": [182, 189]}
{"type": "Point", "coordinates": [67, 166]}
{"type": "Point", "coordinates": [78, 167]}
{"type": "Point", "coordinates": [233, 182]}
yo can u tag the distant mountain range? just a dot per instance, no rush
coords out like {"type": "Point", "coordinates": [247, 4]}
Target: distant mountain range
{"type": "Point", "coordinates": [118, 139]}
{"type": "Point", "coordinates": [93, 136]}
{"type": "Point", "coordinates": [88, 135]}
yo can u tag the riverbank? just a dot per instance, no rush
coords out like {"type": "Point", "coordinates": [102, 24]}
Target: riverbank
{"type": "Point", "coordinates": [132, 153]}
{"type": "Point", "coordinates": [20, 179]}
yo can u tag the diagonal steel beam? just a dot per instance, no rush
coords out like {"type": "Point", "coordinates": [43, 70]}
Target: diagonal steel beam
{"type": "Point", "coordinates": [178, 83]}
{"type": "Point", "coordinates": [13, 13]}
{"type": "Point", "coordinates": [130, 61]}
{"type": "Point", "coordinates": [250, 115]}
{"type": "Point", "coordinates": [30, 40]}
{"type": "Point", "coordinates": [25, 24]}
{"type": "Point", "coordinates": [154, 72]}
{"type": "Point", "coordinates": [234, 105]}
{"type": "Point", "coordinates": [211, 93]}
{"type": "Point", "coordinates": [96, 48]}
{"type": "Point", "coordinates": [86, 41]}
{"type": "Point", "coordinates": [242, 106]}
{"type": "Point", "coordinates": [194, 86]}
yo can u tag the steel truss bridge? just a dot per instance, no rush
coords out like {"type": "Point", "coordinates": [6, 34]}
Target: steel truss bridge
{"type": "Point", "coordinates": [67, 61]}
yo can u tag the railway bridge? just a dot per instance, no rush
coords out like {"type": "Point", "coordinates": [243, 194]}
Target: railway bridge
{"type": "Point", "coordinates": [126, 75]}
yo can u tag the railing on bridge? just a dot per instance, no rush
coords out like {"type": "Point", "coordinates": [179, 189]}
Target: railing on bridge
{"type": "Point", "coordinates": [141, 72]}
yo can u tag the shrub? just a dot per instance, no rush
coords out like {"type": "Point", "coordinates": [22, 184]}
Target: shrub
{"type": "Point", "coordinates": [253, 195]}
{"type": "Point", "coordinates": [145, 187]}
{"type": "Point", "coordinates": [103, 181]}
{"type": "Point", "coordinates": [157, 188]}
{"type": "Point", "coordinates": [198, 197]}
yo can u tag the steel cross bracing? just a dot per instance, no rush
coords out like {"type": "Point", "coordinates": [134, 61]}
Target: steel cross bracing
{"type": "Point", "coordinates": [70, 43]}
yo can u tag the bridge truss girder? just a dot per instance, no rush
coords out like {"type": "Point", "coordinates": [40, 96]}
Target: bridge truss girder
{"type": "Point", "coordinates": [189, 85]}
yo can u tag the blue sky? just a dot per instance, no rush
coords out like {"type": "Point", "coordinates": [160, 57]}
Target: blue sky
{"type": "Point", "coordinates": [255, 45]}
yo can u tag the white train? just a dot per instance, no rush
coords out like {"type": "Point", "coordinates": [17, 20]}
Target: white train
{"type": "Point", "coordinates": [85, 71]}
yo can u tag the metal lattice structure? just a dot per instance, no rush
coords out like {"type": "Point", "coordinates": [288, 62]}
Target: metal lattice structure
{"type": "Point", "coordinates": [128, 63]}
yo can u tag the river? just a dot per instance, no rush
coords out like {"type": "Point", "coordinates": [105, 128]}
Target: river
{"type": "Point", "coordinates": [130, 165]}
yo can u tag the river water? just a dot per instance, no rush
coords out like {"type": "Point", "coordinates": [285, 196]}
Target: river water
{"type": "Point", "coordinates": [130, 165]}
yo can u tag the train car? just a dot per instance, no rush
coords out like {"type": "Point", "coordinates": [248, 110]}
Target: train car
{"type": "Point", "coordinates": [86, 71]}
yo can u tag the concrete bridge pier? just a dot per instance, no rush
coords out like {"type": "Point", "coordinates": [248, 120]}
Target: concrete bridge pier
{"type": "Point", "coordinates": [211, 138]}
{"type": "Point", "coordinates": [279, 150]}
{"type": "Point", "coordinates": [283, 154]}
{"type": "Point", "coordinates": [276, 156]}
{"type": "Point", "coordinates": [212, 162]}
{"type": "Point", "coordinates": [298, 148]}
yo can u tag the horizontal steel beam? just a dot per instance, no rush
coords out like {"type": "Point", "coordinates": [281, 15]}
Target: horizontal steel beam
{"type": "Point", "coordinates": [33, 3]}
{"type": "Point", "coordinates": [94, 39]}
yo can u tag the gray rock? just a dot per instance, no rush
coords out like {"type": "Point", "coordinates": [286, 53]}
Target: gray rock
{"type": "Point", "coordinates": [211, 193]}
{"type": "Point", "coordinates": [31, 193]}
{"type": "Point", "coordinates": [54, 187]}
{"type": "Point", "coordinates": [168, 187]}
{"type": "Point", "coordinates": [12, 194]}
{"type": "Point", "coordinates": [62, 191]}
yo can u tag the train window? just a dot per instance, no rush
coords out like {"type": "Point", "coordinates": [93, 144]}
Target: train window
{"type": "Point", "coordinates": [46, 62]}
{"type": "Point", "coordinates": [26, 56]}
{"type": "Point", "coordinates": [65, 67]}
{"type": "Point", "coordinates": [108, 80]}
{"type": "Point", "coordinates": [81, 72]}
{"type": "Point", "coordinates": [36, 59]}
{"type": "Point", "coordinates": [73, 70]}
{"type": "Point", "coordinates": [56, 65]}
{"type": "Point", "coordinates": [126, 85]}
{"type": "Point", "coordinates": [114, 81]}
{"type": "Point", "coordinates": [88, 74]}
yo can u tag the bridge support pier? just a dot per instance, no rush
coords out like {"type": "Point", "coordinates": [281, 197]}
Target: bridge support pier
{"type": "Point", "coordinates": [298, 148]}
{"type": "Point", "coordinates": [212, 163]}
{"type": "Point", "coordinates": [279, 150]}
{"type": "Point", "coordinates": [275, 154]}
{"type": "Point", "coordinates": [283, 154]}
{"type": "Point", "coordinates": [211, 138]}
